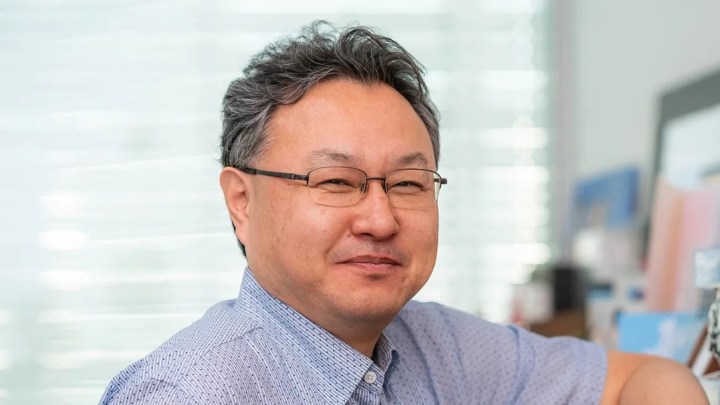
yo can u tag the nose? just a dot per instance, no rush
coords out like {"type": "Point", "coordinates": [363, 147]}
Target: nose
{"type": "Point", "coordinates": [375, 216]}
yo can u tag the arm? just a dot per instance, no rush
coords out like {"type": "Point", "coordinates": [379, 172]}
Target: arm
{"type": "Point", "coordinates": [641, 379]}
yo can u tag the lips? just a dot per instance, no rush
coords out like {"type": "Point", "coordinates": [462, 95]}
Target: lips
{"type": "Point", "coordinates": [371, 259]}
{"type": "Point", "coordinates": [370, 256]}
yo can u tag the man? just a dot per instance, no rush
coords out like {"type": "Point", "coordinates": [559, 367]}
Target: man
{"type": "Point", "coordinates": [330, 149]}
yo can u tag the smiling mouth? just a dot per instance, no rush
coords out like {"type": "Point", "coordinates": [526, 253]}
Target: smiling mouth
{"type": "Point", "coordinates": [372, 260]}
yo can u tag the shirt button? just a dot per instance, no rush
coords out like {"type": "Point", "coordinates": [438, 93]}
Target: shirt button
{"type": "Point", "coordinates": [370, 377]}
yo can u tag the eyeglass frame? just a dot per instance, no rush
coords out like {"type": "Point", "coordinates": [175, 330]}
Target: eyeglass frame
{"type": "Point", "coordinates": [306, 177]}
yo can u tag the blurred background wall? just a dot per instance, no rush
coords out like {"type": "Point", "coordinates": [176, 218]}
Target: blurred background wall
{"type": "Point", "coordinates": [625, 55]}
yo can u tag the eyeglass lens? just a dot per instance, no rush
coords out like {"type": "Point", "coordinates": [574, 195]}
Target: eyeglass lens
{"type": "Point", "coordinates": [345, 186]}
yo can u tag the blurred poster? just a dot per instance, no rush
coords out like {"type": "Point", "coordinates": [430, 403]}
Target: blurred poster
{"type": "Point", "coordinates": [683, 221]}
{"type": "Point", "coordinates": [667, 334]}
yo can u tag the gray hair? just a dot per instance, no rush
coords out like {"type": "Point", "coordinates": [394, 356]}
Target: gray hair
{"type": "Point", "coordinates": [286, 70]}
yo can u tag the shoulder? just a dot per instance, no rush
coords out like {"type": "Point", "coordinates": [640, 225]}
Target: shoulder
{"type": "Point", "coordinates": [433, 327]}
{"type": "Point", "coordinates": [198, 351]}
{"type": "Point", "coordinates": [463, 329]}
{"type": "Point", "coordinates": [516, 364]}
{"type": "Point", "coordinates": [435, 319]}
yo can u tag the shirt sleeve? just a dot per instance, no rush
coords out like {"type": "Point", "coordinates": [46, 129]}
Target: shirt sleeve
{"type": "Point", "coordinates": [559, 370]}
{"type": "Point", "coordinates": [505, 364]}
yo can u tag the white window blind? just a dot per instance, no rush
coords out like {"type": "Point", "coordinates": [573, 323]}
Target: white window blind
{"type": "Point", "coordinates": [114, 233]}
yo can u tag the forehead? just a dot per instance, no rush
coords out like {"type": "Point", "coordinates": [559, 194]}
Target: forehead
{"type": "Point", "coordinates": [342, 121]}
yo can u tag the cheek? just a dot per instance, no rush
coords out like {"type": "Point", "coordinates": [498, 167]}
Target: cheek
{"type": "Point", "coordinates": [309, 231]}
{"type": "Point", "coordinates": [421, 233]}
{"type": "Point", "coordinates": [271, 222]}
{"type": "Point", "coordinates": [422, 228]}
{"type": "Point", "coordinates": [320, 228]}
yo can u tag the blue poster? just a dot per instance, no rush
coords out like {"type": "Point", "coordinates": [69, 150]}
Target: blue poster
{"type": "Point", "coordinates": [666, 334]}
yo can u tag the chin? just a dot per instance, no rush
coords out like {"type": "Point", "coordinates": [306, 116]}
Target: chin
{"type": "Point", "coordinates": [371, 308]}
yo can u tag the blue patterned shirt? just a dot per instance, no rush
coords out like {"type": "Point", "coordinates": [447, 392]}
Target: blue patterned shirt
{"type": "Point", "coordinates": [257, 350]}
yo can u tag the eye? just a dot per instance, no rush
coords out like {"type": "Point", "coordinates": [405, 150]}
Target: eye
{"type": "Point", "coordinates": [407, 187]}
{"type": "Point", "coordinates": [336, 182]}
{"type": "Point", "coordinates": [335, 185]}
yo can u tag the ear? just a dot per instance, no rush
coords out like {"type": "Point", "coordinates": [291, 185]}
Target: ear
{"type": "Point", "coordinates": [237, 188]}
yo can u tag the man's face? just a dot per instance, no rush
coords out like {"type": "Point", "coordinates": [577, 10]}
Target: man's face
{"type": "Point", "coordinates": [360, 263]}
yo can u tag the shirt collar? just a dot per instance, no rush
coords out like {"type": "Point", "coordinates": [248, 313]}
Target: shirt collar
{"type": "Point", "coordinates": [343, 367]}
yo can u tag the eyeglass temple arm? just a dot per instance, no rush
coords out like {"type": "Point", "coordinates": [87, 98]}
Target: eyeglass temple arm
{"type": "Point", "coordinates": [282, 175]}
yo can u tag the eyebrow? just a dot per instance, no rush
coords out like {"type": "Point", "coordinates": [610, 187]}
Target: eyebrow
{"type": "Point", "coordinates": [326, 155]}
{"type": "Point", "coordinates": [331, 156]}
{"type": "Point", "coordinates": [411, 159]}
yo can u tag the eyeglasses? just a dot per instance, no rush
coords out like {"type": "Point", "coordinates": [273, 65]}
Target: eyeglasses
{"type": "Point", "coordinates": [338, 186]}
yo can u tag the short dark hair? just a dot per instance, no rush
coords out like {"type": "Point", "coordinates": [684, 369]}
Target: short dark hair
{"type": "Point", "coordinates": [287, 69]}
